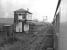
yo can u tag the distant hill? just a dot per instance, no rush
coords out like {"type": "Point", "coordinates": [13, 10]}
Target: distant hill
{"type": "Point", "coordinates": [6, 20]}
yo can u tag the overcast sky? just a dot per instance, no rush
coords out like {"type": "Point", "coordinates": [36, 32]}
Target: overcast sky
{"type": "Point", "coordinates": [39, 8]}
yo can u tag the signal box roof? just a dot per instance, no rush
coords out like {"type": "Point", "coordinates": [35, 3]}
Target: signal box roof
{"type": "Point", "coordinates": [22, 11]}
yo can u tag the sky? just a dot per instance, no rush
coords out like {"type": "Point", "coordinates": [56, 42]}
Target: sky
{"type": "Point", "coordinates": [39, 8]}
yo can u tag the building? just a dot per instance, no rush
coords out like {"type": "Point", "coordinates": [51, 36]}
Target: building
{"type": "Point", "coordinates": [20, 18]}
{"type": "Point", "coordinates": [6, 27]}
